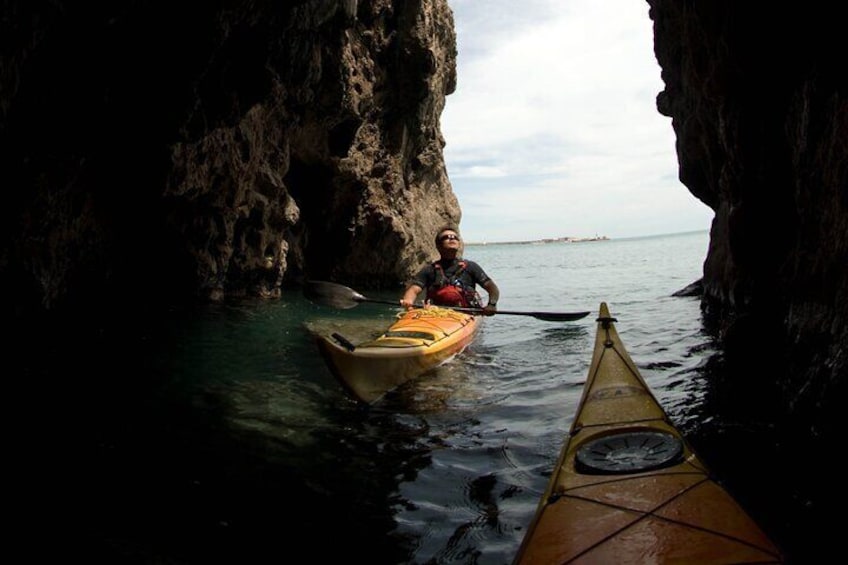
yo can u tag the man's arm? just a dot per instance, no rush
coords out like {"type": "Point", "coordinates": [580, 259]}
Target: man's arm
{"type": "Point", "coordinates": [494, 294]}
{"type": "Point", "coordinates": [409, 296]}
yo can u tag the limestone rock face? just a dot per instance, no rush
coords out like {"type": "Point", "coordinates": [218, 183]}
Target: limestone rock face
{"type": "Point", "coordinates": [207, 149]}
{"type": "Point", "coordinates": [759, 102]}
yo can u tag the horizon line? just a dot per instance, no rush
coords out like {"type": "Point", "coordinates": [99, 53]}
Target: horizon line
{"type": "Point", "coordinates": [573, 239]}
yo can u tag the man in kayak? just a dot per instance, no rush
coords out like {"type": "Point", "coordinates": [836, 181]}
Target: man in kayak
{"type": "Point", "coordinates": [452, 280]}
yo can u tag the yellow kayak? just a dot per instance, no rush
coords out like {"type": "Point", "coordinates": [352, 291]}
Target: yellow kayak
{"type": "Point", "coordinates": [628, 488]}
{"type": "Point", "coordinates": [418, 340]}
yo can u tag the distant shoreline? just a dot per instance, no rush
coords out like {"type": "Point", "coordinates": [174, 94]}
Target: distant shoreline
{"type": "Point", "coordinates": [546, 240]}
{"type": "Point", "coordinates": [579, 239]}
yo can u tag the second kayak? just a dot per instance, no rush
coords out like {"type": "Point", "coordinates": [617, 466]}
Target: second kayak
{"type": "Point", "coordinates": [417, 341]}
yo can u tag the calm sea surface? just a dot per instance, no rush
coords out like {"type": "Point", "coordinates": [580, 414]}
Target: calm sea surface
{"type": "Point", "coordinates": [219, 436]}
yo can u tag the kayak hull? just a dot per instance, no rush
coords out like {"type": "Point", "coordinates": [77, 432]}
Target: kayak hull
{"type": "Point", "coordinates": [417, 341]}
{"type": "Point", "coordinates": [628, 488]}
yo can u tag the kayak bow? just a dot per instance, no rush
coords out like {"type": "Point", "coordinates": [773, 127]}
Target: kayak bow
{"type": "Point", "coordinates": [628, 488]}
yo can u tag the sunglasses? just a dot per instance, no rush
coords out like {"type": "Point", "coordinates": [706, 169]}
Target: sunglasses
{"type": "Point", "coordinates": [448, 236]}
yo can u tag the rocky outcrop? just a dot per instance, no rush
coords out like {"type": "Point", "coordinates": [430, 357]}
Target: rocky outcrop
{"type": "Point", "coordinates": [758, 102]}
{"type": "Point", "coordinates": [153, 149]}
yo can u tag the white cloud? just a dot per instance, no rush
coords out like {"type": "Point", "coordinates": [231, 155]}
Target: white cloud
{"type": "Point", "coordinates": [553, 129]}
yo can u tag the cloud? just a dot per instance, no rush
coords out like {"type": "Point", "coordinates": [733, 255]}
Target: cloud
{"type": "Point", "coordinates": [553, 129]}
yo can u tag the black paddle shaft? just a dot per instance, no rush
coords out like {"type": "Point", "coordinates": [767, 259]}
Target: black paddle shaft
{"type": "Point", "coordinates": [343, 298]}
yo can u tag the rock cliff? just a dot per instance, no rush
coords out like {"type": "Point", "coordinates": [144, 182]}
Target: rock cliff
{"type": "Point", "coordinates": [758, 103]}
{"type": "Point", "coordinates": [218, 149]}
{"type": "Point", "coordinates": [173, 151]}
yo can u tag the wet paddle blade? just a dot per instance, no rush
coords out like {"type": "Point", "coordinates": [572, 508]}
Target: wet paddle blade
{"type": "Point", "coordinates": [552, 316]}
{"type": "Point", "coordinates": [331, 294]}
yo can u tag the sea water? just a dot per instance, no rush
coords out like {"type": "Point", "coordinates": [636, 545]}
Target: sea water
{"type": "Point", "coordinates": [220, 436]}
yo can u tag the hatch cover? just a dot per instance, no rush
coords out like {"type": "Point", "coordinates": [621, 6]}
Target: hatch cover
{"type": "Point", "coordinates": [629, 452]}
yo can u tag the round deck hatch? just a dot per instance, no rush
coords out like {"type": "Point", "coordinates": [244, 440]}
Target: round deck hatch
{"type": "Point", "coordinates": [629, 452]}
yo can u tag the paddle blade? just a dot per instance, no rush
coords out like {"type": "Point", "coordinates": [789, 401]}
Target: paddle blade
{"type": "Point", "coordinates": [559, 316]}
{"type": "Point", "coordinates": [331, 294]}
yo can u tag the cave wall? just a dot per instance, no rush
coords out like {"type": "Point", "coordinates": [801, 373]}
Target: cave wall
{"type": "Point", "coordinates": [758, 103]}
{"type": "Point", "coordinates": [212, 149]}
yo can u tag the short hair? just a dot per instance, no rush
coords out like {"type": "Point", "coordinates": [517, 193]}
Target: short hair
{"type": "Point", "coordinates": [444, 229]}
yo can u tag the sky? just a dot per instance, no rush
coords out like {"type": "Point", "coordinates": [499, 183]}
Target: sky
{"type": "Point", "coordinates": [553, 129]}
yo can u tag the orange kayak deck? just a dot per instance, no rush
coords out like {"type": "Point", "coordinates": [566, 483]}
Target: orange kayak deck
{"type": "Point", "coordinates": [627, 487]}
{"type": "Point", "coordinates": [417, 341]}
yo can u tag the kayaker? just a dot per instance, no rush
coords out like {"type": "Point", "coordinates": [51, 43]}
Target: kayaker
{"type": "Point", "coordinates": [452, 280]}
